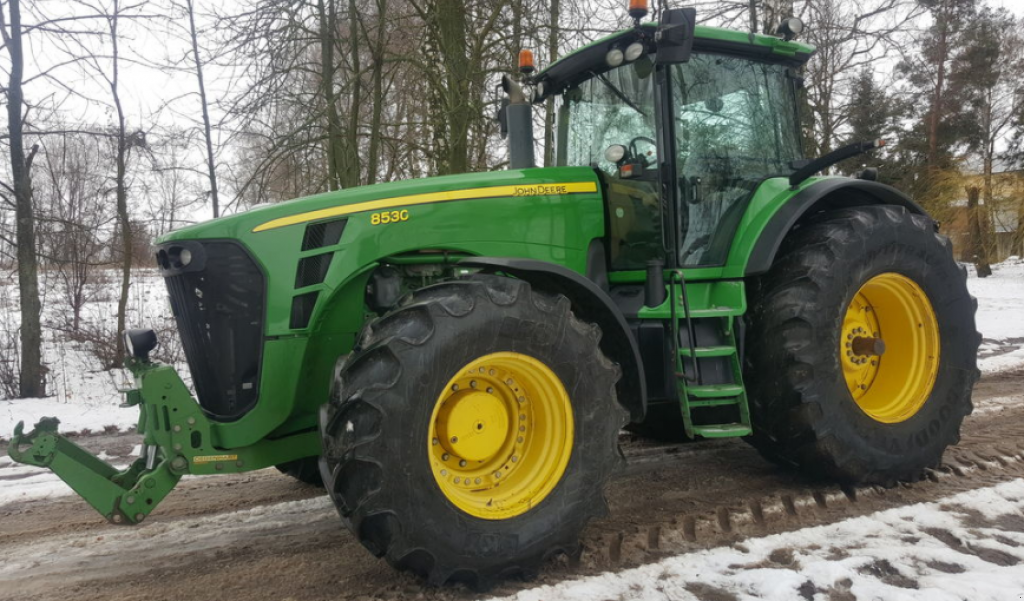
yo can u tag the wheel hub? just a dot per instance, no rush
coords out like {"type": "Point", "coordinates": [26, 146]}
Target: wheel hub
{"type": "Point", "coordinates": [473, 425]}
{"type": "Point", "coordinates": [500, 435]}
{"type": "Point", "coordinates": [889, 347]}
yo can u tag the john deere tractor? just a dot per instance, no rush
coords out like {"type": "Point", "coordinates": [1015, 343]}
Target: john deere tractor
{"type": "Point", "coordinates": [454, 357]}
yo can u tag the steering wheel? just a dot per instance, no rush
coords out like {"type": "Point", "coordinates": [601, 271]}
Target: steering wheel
{"type": "Point", "coordinates": [633, 151]}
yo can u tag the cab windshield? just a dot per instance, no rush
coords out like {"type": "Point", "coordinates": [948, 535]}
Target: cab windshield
{"type": "Point", "coordinates": [734, 122]}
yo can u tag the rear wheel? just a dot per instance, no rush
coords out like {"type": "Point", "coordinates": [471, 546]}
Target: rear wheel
{"type": "Point", "coordinates": [862, 348]}
{"type": "Point", "coordinates": [472, 434]}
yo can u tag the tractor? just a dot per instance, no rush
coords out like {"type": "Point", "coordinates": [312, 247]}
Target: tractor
{"type": "Point", "coordinates": [454, 358]}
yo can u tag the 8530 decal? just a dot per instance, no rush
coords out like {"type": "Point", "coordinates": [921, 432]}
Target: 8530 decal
{"type": "Point", "coordinates": [385, 217]}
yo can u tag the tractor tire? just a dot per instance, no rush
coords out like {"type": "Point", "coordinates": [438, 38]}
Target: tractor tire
{"type": "Point", "coordinates": [470, 435]}
{"type": "Point", "coordinates": [306, 470]}
{"type": "Point", "coordinates": [862, 348]}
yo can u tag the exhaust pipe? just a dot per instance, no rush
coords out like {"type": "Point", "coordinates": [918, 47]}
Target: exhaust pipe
{"type": "Point", "coordinates": [518, 125]}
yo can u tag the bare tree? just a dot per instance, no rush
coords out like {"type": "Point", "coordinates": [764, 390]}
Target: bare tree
{"type": "Point", "coordinates": [73, 216]}
{"type": "Point", "coordinates": [207, 129]}
{"type": "Point", "coordinates": [31, 381]}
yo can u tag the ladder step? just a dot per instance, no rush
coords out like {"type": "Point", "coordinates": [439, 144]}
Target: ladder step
{"type": "Point", "coordinates": [709, 351]}
{"type": "Point", "coordinates": [714, 391]}
{"type": "Point", "coordinates": [721, 430]}
{"type": "Point", "coordinates": [722, 402]}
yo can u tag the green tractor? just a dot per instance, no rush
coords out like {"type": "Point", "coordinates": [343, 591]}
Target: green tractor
{"type": "Point", "coordinates": [454, 358]}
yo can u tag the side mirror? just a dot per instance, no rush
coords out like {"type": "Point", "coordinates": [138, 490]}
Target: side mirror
{"type": "Point", "coordinates": [674, 36]}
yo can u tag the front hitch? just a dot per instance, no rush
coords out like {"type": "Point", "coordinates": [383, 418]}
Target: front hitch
{"type": "Point", "coordinates": [122, 496]}
{"type": "Point", "coordinates": [178, 438]}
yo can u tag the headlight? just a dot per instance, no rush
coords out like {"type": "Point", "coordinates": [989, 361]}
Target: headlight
{"type": "Point", "coordinates": [634, 51]}
{"type": "Point", "coordinates": [139, 343]}
{"type": "Point", "coordinates": [614, 57]}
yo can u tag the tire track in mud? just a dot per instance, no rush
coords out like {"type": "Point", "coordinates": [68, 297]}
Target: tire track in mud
{"type": "Point", "coordinates": [672, 499]}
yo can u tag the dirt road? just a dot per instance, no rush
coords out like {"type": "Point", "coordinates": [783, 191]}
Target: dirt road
{"type": "Point", "coordinates": [264, 536]}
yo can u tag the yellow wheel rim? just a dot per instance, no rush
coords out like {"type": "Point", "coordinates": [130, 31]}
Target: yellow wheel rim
{"type": "Point", "coordinates": [890, 348]}
{"type": "Point", "coordinates": [500, 435]}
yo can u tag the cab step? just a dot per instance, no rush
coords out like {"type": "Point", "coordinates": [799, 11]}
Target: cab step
{"type": "Point", "coordinates": [722, 430]}
{"type": "Point", "coordinates": [709, 351]}
{"type": "Point", "coordinates": [715, 391]}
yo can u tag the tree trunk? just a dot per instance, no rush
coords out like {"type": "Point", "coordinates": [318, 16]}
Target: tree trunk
{"type": "Point", "coordinates": [379, 50]}
{"type": "Point", "coordinates": [206, 112]}
{"type": "Point", "coordinates": [349, 143]}
{"type": "Point", "coordinates": [334, 152]}
{"type": "Point", "coordinates": [456, 110]}
{"type": "Point", "coordinates": [30, 383]}
{"type": "Point", "coordinates": [977, 244]}
{"type": "Point", "coordinates": [124, 222]}
{"type": "Point", "coordinates": [934, 119]}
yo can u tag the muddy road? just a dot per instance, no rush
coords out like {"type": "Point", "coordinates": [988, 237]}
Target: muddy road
{"type": "Point", "coordinates": [263, 535]}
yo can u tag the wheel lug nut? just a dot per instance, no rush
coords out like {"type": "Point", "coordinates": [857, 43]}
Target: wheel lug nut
{"type": "Point", "coordinates": [435, 441]}
{"type": "Point", "coordinates": [515, 458]}
{"type": "Point", "coordinates": [455, 439]}
{"type": "Point", "coordinates": [444, 472]}
{"type": "Point", "coordinates": [478, 480]}
{"type": "Point", "coordinates": [444, 457]}
{"type": "Point", "coordinates": [522, 399]}
{"type": "Point", "coordinates": [509, 381]}
{"type": "Point", "coordinates": [497, 474]}
{"type": "Point", "coordinates": [457, 479]}
{"type": "Point", "coordinates": [462, 463]}
{"type": "Point", "coordinates": [455, 386]}
{"type": "Point", "coordinates": [472, 384]}
{"type": "Point", "coordinates": [490, 390]}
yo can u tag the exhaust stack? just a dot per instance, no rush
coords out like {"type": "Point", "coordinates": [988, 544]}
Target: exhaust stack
{"type": "Point", "coordinates": [518, 125]}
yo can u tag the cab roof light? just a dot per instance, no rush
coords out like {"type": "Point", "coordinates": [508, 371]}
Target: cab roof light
{"type": "Point", "coordinates": [526, 64]}
{"type": "Point", "coordinates": [790, 28]}
{"type": "Point", "coordinates": [637, 9]}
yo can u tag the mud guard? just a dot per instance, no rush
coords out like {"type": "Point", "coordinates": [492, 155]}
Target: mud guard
{"type": "Point", "coordinates": [823, 195]}
{"type": "Point", "coordinates": [589, 303]}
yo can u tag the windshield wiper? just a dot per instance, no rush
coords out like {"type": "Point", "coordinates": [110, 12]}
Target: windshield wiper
{"type": "Point", "coordinates": [619, 93]}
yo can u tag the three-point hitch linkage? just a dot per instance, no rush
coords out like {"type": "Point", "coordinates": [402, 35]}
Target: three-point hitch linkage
{"type": "Point", "coordinates": [178, 439]}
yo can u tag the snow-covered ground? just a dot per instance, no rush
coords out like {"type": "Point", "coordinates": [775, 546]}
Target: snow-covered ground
{"type": "Point", "coordinates": [1000, 315]}
{"type": "Point", "coordinates": [967, 546]}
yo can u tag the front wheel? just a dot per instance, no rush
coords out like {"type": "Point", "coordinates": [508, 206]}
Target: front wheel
{"type": "Point", "coordinates": [862, 348]}
{"type": "Point", "coordinates": [472, 435]}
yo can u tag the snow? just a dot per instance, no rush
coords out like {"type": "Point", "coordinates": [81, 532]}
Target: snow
{"type": "Point", "coordinates": [966, 546]}
{"type": "Point", "coordinates": [95, 414]}
{"type": "Point", "coordinates": [1000, 315]}
{"type": "Point", "coordinates": [85, 395]}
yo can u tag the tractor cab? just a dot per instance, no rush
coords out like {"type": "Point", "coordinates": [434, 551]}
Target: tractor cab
{"type": "Point", "coordinates": [680, 142]}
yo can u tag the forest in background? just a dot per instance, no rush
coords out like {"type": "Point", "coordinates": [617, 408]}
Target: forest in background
{"type": "Point", "coordinates": [267, 100]}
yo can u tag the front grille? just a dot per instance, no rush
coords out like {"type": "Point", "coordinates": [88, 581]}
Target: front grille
{"type": "Point", "coordinates": [218, 300]}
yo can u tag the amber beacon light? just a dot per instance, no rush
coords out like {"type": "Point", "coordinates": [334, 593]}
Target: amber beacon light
{"type": "Point", "coordinates": [526, 61]}
{"type": "Point", "coordinates": [638, 9]}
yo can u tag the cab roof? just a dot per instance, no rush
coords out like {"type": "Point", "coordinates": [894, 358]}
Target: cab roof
{"type": "Point", "coordinates": [584, 62]}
